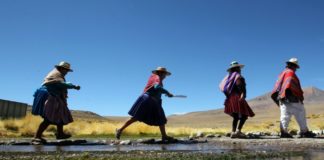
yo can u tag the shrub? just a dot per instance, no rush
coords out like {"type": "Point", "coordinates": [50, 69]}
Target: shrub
{"type": "Point", "coordinates": [11, 126]}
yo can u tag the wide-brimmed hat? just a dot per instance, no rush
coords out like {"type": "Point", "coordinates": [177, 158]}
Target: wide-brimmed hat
{"type": "Point", "coordinates": [161, 69]}
{"type": "Point", "coordinates": [293, 61]}
{"type": "Point", "coordinates": [235, 64]}
{"type": "Point", "coordinates": [65, 65]}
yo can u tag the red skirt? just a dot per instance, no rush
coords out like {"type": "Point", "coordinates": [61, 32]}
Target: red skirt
{"type": "Point", "coordinates": [233, 104]}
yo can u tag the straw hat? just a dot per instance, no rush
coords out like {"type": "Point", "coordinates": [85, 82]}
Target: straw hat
{"type": "Point", "coordinates": [65, 65]}
{"type": "Point", "coordinates": [293, 61]}
{"type": "Point", "coordinates": [235, 64]}
{"type": "Point", "coordinates": [161, 69]}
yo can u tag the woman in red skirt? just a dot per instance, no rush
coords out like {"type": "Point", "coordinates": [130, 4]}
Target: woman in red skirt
{"type": "Point", "coordinates": [234, 88]}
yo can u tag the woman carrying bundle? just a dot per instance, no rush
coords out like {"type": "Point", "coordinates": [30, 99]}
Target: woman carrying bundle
{"type": "Point", "coordinates": [234, 88]}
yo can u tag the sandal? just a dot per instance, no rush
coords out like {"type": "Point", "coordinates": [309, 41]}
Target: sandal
{"type": "Point", "coordinates": [118, 133]}
{"type": "Point", "coordinates": [38, 141]}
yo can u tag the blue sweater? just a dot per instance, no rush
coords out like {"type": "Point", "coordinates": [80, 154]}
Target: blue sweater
{"type": "Point", "coordinates": [157, 91]}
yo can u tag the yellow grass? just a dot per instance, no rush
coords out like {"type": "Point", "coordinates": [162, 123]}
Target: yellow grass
{"type": "Point", "coordinates": [27, 127]}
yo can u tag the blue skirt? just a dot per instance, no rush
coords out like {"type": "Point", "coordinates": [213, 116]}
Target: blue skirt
{"type": "Point", "coordinates": [40, 96]}
{"type": "Point", "coordinates": [148, 110]}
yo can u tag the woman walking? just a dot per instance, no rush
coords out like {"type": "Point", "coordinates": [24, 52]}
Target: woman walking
{"type": "Point", "coordinates": [148, 107]}
{"type": "Point", "coordinates": [50, 102]}
{"type": "Point", "coordinates": [234, 88]}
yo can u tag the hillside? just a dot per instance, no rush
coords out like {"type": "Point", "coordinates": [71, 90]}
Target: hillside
{"type": "Point", "coordinates": [265, 109]}
{"type": "Point", "coordinates": [77, 114]}
{"type": "Point", "coordinates": [86, 115]}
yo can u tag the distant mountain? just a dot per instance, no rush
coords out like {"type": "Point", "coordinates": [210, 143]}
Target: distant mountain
{"type": "Point", "coordinates": [263, 106]}
{"type": "Point", "coordinates": [311, 95]}
{"type": "Point", "coordinates": [87, 115]}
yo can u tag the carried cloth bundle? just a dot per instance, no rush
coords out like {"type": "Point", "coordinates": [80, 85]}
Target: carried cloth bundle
{"type": "Point", "coordinates": [228, 83]}
{"type": "Point", "coordinates": [40, 96]}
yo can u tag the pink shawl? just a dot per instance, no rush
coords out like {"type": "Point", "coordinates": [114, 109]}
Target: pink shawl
{"type": "Point", "coordinates": [153, 80]}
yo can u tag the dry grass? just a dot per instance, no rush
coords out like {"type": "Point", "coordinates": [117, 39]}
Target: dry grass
{"type": "Point", "coordinates": [27, 127]}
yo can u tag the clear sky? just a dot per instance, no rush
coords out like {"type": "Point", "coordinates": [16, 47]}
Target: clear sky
{"type": "Point", "coordinates": [114, 45]}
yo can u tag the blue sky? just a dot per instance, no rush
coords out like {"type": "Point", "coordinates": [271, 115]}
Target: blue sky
{"type": "Point", "coordinates": [114, 45]}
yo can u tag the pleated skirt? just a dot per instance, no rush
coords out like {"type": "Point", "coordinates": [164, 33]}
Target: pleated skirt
{"type": "Point", "coordinates": [233, 104]}
{"type": "Point", "coordinates": [56, 111]}
{"type": "Point", "coordinates": [148, 110]}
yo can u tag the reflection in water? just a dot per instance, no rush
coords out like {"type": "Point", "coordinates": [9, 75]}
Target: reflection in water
{"type": "Point", "coordinates": [38, 148]}
{"type": "Point", "coordinates": [200, 147]}
{"type": "Point", "coordinates": [163, 147]}
{"type": "Point", "coordinates": [314, 155]}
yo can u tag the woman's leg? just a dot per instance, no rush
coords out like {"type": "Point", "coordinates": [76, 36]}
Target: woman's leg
{"type": "Point", "coordinates": [242, 121]}
{"type": "Point", "coordinates": [42, 127]}
{"type": "Point", "coordinates": [163, 132]}
{"type": "Point", "coordinates": [127, 123]}
{"type": "Point", "coordinates": [60, 133]}
{"type": "Point", "coordinates": [59, 129]}
{"type": "Point", "coordinates": [235, 121]}
{"type": "Point", "coordinates": [165, 137]}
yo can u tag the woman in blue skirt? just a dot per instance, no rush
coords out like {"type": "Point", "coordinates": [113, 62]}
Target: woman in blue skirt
{"type": "Point", "coordinates": [148, 107]}
{"type": "Point", "coordinates": [50, 102]}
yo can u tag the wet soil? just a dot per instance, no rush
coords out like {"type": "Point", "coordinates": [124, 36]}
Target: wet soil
{"type": "Point", "coordinates": [204, 148]}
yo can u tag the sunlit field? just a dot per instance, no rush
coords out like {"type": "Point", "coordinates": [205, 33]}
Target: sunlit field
{"type": "Point", "coordinates": [27, 127]}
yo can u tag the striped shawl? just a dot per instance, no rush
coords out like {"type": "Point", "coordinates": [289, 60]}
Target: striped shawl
{"type": "Point", "coordinates": [288, 80]}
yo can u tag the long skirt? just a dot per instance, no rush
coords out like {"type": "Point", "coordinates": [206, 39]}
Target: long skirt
{"type": "Point", "coordinates": [56, 111]}
{"type": "Point", "coordinates": [148, 110]}
{"type": "Point", "coordinates": [233, 104]}
{"type": "Point", "coordinates": [40, 96]}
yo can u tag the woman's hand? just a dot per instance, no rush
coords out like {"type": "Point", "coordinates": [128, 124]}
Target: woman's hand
{"type": "Point", "coordinates": [170, 95]}
{"type": "Point", "coordinates": [77, 87]}
{"type": "Point", "coordinates": [242, 97]}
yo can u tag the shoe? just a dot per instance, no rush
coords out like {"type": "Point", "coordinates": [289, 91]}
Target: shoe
{"type": "Point", "coordinates": [285, 135]}
{"type": "Point", "coordinates": [118, 133]}
{"type": "Point", "coordinates": [234, 135]}
{"type": "Point", "coordinates": [307, 134]}
{"type": "Point", "coordinates": [62, 136]}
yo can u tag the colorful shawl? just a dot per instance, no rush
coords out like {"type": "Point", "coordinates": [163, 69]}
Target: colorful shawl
{"type": "Point", "coordinates": [228, 83]}
{"type": "Point", "coordinates": [153, 80]}
{"type": "Point", "coordinates": [288, 80]}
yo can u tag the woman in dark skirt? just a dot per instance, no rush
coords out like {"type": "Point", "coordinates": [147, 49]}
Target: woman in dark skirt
{"type": "Point", "coordinates": [148, 107]}
{"type": "Point", "coordinates": [234, 87]}
{"type": "Point", "coordinates": [50, 102]}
